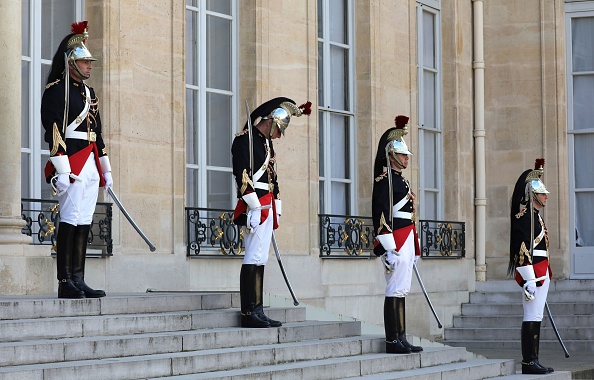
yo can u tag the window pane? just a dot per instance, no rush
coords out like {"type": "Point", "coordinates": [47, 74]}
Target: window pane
{"type": "Point", "coordinates": [25, 27]}
{"type": "Point", "coordinates": [218, 53]}
{"type": "Point", "coordinates": [339, 69]}
{"type": "Point", "coordinates": [192, 48]}
{"type": "Point", "coordinates": [584, 204]}
{"type": "Point", "coordinates": [337, 15]}
{"type": "Point", "coordinates": [430, 206]}
{"type": "Point", "coordinates": [340, 195]}
{"type": "Point", "coordinates": [582, 30]}
{"type": "Point", "coordinates": [429, 159]}
{"type": "Point", "coordinates": [218, 130]}
{"type": "Point", "coordinates": [429, 40]}
{"type": "Point", "coordinates": [322, 203]}
{"type": "Point", "coordinates": [219, 6]}
{"type": "Point", "coordinates": [584, 161]}
{"type": "Point", "coordinates": [583, 99]}
{"type": "Point", "coordinates": [58, 15]}
{"type": "Point", "coordinates": [320, 20]}
{"type": "Point", "coordinates": [219, 190]}
{"type": "Point", "coordinates": [192, 188]}
{"type": "Point", "coordinates": [25, 122]}
{"type": "Point", "coordinates": [192, 127]}
{"type": "Point", "coordinates": [321, 141]}
{"type": "Point", "coordinates": [429, 99]}
{"type": "Point", "coordinates": [321, 100]}
{"type": "Point", "coordinates": [25, 175]}
{"type": "Point", "coordinates": [339, 155]}
{"type": "Point", "coordinates": [46, 189]}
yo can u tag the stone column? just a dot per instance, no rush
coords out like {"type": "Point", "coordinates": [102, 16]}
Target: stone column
{"type": "Point", "coordinates": [13, 260]}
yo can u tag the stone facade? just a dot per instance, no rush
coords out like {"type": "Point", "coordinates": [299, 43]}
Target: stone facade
{"type": "Point", "coordinates": [139, 78]}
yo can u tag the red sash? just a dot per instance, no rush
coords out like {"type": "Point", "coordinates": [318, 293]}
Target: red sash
{"type": "Point", "coordinates": [77, 162]}
{"type": "Point", "coordinates": [540, 270]}
{"type": "Point", "coordinates": [241, 210]}
{"type": "Point", "coordinates": [400, 236]}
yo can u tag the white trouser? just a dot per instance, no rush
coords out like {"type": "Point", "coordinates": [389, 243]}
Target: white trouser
{"type": "Point", "coordinates": [398, 280]}
{"type": "Point", "coordinates": [257, 244]}
{"type": "Point", "coordinates": [77, 204]}
{"type": "Point", "coordinates": [534, 309]}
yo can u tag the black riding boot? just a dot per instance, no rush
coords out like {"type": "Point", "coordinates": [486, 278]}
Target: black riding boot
{"type": "Point", "coordinates": [81, 236]}
{"type": "Point", "coordinates": [248, 294]}
{"type": "Point", "coordinates": [393, 344]}
{"type": "Point", "coordinates": [401, 326]}
{"type": "Point", "coordinates": [259, 303]}
{"type": "Point", "coordinates": [64, 242]}
{"type": "Point", "coordinates": [530, 342]}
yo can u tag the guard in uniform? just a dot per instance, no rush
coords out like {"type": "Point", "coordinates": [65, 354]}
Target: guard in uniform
{"type": "Point", "coordinates": [78, 163]}
{"type": "Point", "coordinates": [396, 240]}
{"type": "Point", "coordinates": [529, 260]}
{"type": "Point", "coordinates": [259, 206]}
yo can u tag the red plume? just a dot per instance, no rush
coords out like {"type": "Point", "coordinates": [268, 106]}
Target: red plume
{"type": "Point", "coordinates": [401, 121]}
{"type": "Point", "coordinates": [79, 27]}
{"type": "Point", "coordinates": [306, 108]}
{"type": "Point", "coordinates": [539, 163]}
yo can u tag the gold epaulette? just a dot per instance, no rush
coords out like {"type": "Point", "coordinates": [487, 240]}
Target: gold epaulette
{"type": "Point", "coordinates": [521, 213]}
{"type": "Point", "coordinates": [51, 84]}
{"type": "Point", "coordinates": [242, 132]}
{"type": "Point", "coordinates": [381, 176]}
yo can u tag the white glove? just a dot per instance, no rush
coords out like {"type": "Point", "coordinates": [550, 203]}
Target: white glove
{"type": "Point", "coordinates": [255, 216]}
{"type": "Point", "coordinates": [63, 182]}
{"type": "Point", "coordinates": [389, 260]}
{"type": "Point", "coordinates": [108, 180]}
{"type": "Point", "coordinates": [531, 288]}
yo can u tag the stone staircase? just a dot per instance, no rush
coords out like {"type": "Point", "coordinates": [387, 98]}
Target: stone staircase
{"type": "Point", "coordinates": [196, 336]}
{"type": "Point", "coordinates": [493, 317]}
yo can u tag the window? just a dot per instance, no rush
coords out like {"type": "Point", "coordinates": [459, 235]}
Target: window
{"type": "Point", "coordinates": [211, 93]}
{"type": "Point", "coordinates": [430, 131]}
{"type": "Point", "coordinates": [336, 107]}
{"type": "Point", "coordinates": [579, 24]}
{"type": "Point", "coordinates": [44, 25]}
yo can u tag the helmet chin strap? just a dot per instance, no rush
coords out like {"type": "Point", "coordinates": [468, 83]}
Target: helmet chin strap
{"type": "Point", "coordinates": [84, 76]}
{"type": "Point", "coordinates": [535, 197]}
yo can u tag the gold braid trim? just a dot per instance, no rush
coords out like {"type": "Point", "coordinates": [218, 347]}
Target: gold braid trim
{"type": "Point", "coordinates": [245, 181]}
{"type": "Point", "coordinates": [524, 255]}
{"type": "Point", "coordinates": [383, 224]}
{"type": "Point", "coordinates": [57, 139]}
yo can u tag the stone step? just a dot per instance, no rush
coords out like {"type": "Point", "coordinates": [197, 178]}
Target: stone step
{"type": "Point", "coordinates": [498, 286]}
{"type": "Point", "coordinates": [516, 297]}
{"type": "Point", "coordinates": [112, 324]}
{"type": "Point", "coordinates": [373, 364]}
{"type": "Point", "coordinates": [571, 345]}
{"type": "Point", "coordinates": [516, 321]}
{"type": "Point", "coordinates": [557, 375]}
{"type": "Point", "coordinates": [190, 362]}
{"type": "Point", "coordinates": [105, 347]}
{"type": "Point", "coordinates": [497, 333]}
{"type": "Point", "coordinates": [516, 309]}
{"type": "Point", "coordinates": [28, 307]}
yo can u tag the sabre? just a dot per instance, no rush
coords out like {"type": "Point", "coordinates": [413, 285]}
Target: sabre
{"type": "Point", "coordinates": [555, 329]}
{"type": "Point", "coordinates": [123, 210]}
{"type": "Point", "coordinates": [426, 295]}
{"type": "Point", "coordinates": [282, 268]}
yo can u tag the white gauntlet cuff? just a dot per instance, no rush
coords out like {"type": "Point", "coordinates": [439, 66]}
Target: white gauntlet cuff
{"type": "Point", "coordinates": [278, 205]}
{"type": "Point", "coordinates": [252, 200]}
{"type": "Point", "coordinates": [105, 165]}
{"type": "Point", "coordinates": [61, 164]}
{"type": "Point", "coordinates": [387, 241]}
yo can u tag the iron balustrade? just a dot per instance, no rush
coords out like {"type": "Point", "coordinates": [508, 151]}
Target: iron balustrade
{"type": "Point", "coordinates": [42, 217]}
{"type": "Point", "coordinates": [346, 236]}
{"type": "Point", "coordinates": [353, 236]}
{"type": "Point", "coordinates": [212, 233]}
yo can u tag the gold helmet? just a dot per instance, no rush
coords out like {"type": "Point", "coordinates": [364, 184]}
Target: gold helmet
{"type": "Point", "coordinates": [395, 141]}
{"type": "Point", "coordinates": [76, 43]}
{"type": "Point", "coordinates": [279, 110]}
{"type": "Point", "coordinates": [533, 178]}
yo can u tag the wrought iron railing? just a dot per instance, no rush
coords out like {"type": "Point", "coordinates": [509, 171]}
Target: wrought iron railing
{"type": "Point", "coordinates": [442, 239]}
{"type": "Point", "coordinates": [212, 233]}
{"type": "Point", "coordinates": [42, 219]}
{"type": "Point", "coordinates": [346, 236]}
{"type": "Point", "coordinates": [352, 236]}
